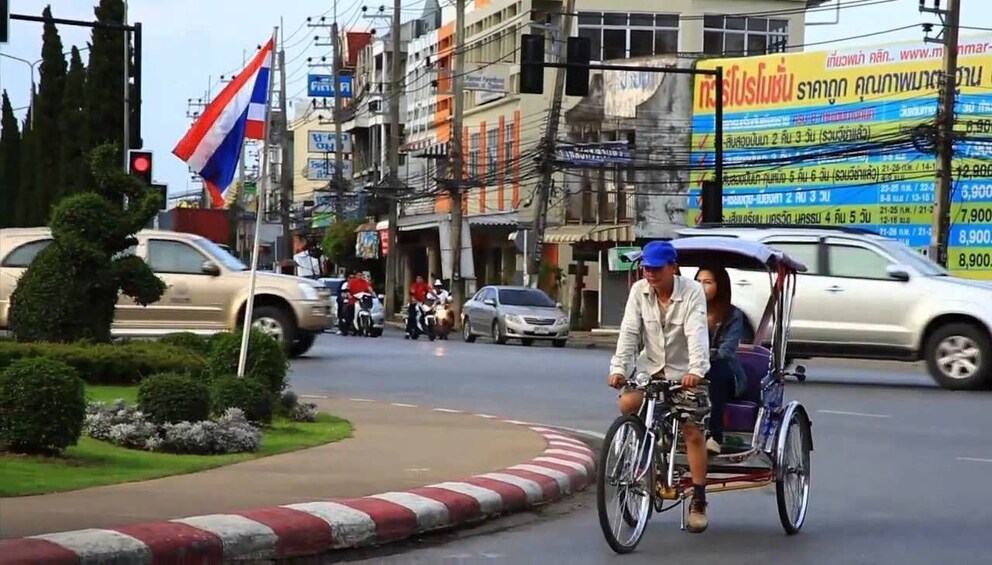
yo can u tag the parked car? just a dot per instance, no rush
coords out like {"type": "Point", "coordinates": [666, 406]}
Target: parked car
{"type": "Point", "coordinates": [207, 290]}
{"type": "Point", "coordinates": [871, 297]}
{"type": "Point", "coordinates": [514, 312]}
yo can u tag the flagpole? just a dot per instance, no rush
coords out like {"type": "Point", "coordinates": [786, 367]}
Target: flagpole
{"type": "Point", "coordinates": [262, 186]}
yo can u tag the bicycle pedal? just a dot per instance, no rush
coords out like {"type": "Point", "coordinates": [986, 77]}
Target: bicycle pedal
{"type": "Point", "coordinates": [666, 492]}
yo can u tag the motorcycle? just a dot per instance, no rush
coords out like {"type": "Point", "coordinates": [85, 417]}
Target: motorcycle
{"type": "Point", "coordinates": [362, 321]}
{"type": "Point", "coordinates": [446, 319]}
{"type": "Point", "coordinates": [344, 322]}
{"type": "Point", "coordinates": [426, 322]}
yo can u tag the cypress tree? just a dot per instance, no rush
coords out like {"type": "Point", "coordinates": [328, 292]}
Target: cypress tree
{"type": "Point", "coordinates": [48, 107]}
{"type": "Point", "coordinates": [105, 81]}
{"type": "Point", "coordinates": [73, 173]}
{"type": "Point", "coordinates": [10, 162]}
{"type": "Point", "coordinates": [28, 213]}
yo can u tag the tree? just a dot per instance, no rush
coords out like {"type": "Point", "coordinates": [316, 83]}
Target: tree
{"type": "Point", "coordinates": [339, 243]}
{"type": "Point", "coordinates": [27, 213]}
{"type": "Point", "coordinates": [10, 162]}
{"type": "Point", "coordinates": [73, 173]}
{"type": "Point", "coordinates": [48, 108]}
{"type": "Point", "coordinates": [71, 289]}
{"type": "Point", "coordinates": [105, 81]}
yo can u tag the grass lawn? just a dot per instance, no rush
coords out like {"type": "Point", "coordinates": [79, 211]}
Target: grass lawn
{"type": "Point", "coordinates": [94, 463]}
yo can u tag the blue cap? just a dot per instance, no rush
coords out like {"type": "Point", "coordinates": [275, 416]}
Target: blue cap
{"type": "Point", "coordinates": [658, 254]}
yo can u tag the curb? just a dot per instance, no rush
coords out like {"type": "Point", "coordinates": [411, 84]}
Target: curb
{"type": "Point", "coordinates": [308, 529]}
{"type": "Point", "coordinates": [607, 342]}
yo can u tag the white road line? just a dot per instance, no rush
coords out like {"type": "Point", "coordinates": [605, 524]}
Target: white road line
{"type": "Point", "coordinates": [313, 396]}
{"type": "Point", "coordinates": [447, 410]}
{"type": "Point", "coordinates": [402, 405]}
{"type": "Point", "coordinates": [974, 459]}
{"type": "Point", "coordinates": [861, 414]}
{"type": "Point", "coordinates": [361, 400]}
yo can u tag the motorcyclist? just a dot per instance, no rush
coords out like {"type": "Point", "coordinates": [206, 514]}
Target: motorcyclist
{"type": "Point", "coordinates": [356, 286]}
{"type": "Point", "coordinates": [418, 293]}
{"type": "Point", "coordinates": [440, 294]}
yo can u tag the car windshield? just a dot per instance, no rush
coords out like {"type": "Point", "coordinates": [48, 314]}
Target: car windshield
{"type": "Point", "coordinates": [221, 255]}
{"type": "Point", "coordinates": [525, 297]}
{"type": "Point", "coordinates": [918, 261]}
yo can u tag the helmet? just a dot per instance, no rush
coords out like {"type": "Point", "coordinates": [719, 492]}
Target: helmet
{"type": "Point", "coordinates": [438, 282]}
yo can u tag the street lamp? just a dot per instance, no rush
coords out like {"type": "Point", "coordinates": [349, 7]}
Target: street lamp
{"type": "Point", "coordinates": [31, 65]}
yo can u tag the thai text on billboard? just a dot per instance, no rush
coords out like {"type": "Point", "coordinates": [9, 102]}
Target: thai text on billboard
{"type": "Point", "coordinates": [846, 138]}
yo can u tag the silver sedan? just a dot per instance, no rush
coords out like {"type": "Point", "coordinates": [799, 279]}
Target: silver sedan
{"type": "Point", "coordinates": [514, 312]}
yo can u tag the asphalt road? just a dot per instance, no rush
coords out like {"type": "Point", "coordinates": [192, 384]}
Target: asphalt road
{"type": "Point", "coordinates": [900, 472]}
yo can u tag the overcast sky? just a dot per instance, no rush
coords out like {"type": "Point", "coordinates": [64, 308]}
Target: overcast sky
{"type": "Point", "coordinates": [189, 44]}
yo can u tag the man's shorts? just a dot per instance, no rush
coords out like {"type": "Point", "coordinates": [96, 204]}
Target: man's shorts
{"type": "Point", "coordinates": [694, 405]}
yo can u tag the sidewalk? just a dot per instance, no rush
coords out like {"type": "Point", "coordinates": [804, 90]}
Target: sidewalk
{"type": "Point", "coordinates": [393, 448]}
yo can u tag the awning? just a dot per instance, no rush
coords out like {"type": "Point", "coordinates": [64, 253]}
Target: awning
{"type": "Point", "coordinates": [367, 226]}
{"type": "Point", "coordinates": [508, 219]}
{"type": "Point", "coordinates": [598, 234]}
{"type": "Point", "coordinates": [436, 151]}
{"type": "Point", "coordinates": [420, 221]}
{"type": "Point", "coordinates": [383, 225]}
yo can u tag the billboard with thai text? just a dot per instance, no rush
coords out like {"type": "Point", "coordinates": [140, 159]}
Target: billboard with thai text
{"type": "Point", "coordinates": [847, 137]}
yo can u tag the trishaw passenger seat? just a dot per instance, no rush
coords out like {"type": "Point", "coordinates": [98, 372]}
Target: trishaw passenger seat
{"type": "Point", "coordinates": [740, 414]}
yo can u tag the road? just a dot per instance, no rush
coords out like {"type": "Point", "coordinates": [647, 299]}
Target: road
{"type": "Point", "coordinates": [900, 471]}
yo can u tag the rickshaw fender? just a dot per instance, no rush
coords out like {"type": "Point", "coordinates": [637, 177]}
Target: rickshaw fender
{"type": "Point", "coordinates": [791, 409]}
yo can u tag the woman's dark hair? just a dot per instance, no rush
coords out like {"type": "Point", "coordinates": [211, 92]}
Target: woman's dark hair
{"type": "Point", "coordinates": [722, 300]}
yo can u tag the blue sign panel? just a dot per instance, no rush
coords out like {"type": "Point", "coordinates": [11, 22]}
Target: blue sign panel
{"type": "Point", "coordinates": [322, 86]}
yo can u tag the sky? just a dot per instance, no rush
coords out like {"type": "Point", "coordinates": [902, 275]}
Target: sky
{"type": "Point", "coordinates": [190, 44]}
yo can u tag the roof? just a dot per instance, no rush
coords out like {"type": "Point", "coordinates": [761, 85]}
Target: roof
{"type": "Point", "coordinates": [730, 252]}
{"type": "Point", "coordinates": [760, 231]}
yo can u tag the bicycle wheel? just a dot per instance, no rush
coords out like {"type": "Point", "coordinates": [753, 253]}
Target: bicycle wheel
{"type": "Point", "coordinates": [623, 516]}
{"type": "Point", "coordinates": [792, 488]}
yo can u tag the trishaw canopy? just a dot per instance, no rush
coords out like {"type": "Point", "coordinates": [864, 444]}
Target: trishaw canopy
{"type": "Point", "coordinates": [732, 253]}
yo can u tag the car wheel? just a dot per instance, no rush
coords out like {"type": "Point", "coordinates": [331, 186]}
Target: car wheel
{"type": "Point", "coordinates": [302, 345]}
{"type": "Point", "coordinates": [959, 357]}
{"type": "Point", "coordinates": [559, 343]}
{"type": "Point", "coordinates": [467, 331]}
{"type": "Point", "coordinates": [498, 336]}
{"type": "Point", "coordinates": [276, 322]}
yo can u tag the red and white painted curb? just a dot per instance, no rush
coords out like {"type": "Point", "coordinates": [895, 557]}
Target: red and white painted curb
{"type": "Point", "coordinates": [297, 530]}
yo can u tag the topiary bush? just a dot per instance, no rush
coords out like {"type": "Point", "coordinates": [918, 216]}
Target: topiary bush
{"type": "Point", "coordinates": [42, 406]}
{"type": "Point", "coordinates": [250, 395]}
{"type": "Point", "coordinates": [172, 398]}
{"type": "Point", "coordinates": [266, 362]}
{"type": "Point", "coordinates": [187, 340]}
{"type": "Point", "coordinates": [71, 289]}
{"type": "Point", "coordinates": [111, 364]}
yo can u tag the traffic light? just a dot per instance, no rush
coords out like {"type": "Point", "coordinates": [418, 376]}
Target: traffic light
{"type": "Point", "coordinates": [4, 21]}
{"type": "Point", "coordinates": [577, 78]}
{"type": "Point", "coordinates": [140, 165]}
{"type": "Point", "coordinates": [531, 64]}
{"type": "Point", "coordinates": [163, 191]}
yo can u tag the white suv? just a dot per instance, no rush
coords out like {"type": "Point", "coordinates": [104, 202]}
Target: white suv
{"type": "Point", "coordinates": [870, 297]}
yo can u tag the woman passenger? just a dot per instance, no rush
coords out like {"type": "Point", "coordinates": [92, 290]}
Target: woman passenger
{"type": "Point", "coordinates": [726, 324]}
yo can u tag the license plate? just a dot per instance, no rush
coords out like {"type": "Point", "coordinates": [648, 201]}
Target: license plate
{"type": "Point", "coordinates": [541, 331]}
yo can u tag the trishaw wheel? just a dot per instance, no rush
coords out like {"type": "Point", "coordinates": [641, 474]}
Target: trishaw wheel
{"type": "Point", "coordinates": [792, 483]}
{"type": "Point", "coordinates": [624, 503]}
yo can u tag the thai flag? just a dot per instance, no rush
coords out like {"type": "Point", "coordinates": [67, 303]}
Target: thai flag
{"type": "Point", "coordinates": [212, 146]}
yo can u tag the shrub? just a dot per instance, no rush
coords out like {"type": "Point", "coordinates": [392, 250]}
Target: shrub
{"type": "Point", "coordinates": [110, 364]}
{"type": "Point", "coordinates": [287, 401]}
{"type": "Point", "coordinates": [246, 394]}
{"type": "Point", "coordinates": [289, 406]}
{"type": "Point", "coordinates": [172, 398]}
{"type": "Point", "coordinates": [42, 406]}
{"type": "Point", "coordinates": [187, 340]}
{"type": "Point", "coordinates": [126, 426]}
{"type": "Point", "coordinates": [70, 291]}
{"type": "Point", "coordinates": [266, 360]}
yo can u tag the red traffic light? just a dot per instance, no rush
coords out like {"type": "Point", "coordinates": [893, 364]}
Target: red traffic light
{"type": "Point", "coordinates": [141, 164]}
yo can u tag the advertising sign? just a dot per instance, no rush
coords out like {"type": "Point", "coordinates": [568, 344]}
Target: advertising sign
{"type": "Point", "coordinates": [846, 138]}
{"type": "Point", "coordinates": [616, 260]}
{"type": "Point", "coordinates": [624, 91]}
{"type": "Point", "coordinates": [593, 154]}
{"type": "Point", "coordinates": [322, 86]}
{"type": "Point", "coordinates": [323, 142]}
{"type": "Point", "coordinates": [319, 168]}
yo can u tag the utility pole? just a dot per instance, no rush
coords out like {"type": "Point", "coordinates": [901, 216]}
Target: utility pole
{"type": "Point", "coordinates": [533, 268]}
{"type": "Point", "coordinates": [395, 80]}
{"type": "Point", "coordinates": [338, 156]}
{"type": "Point", "coordinates": [194, 107]}
{"type": "Point", "coordinates": [458, 169]}
{"type": "Point", "coordinates": [948, 37]}
{"type": "Point", "coordinates": [286, 172]}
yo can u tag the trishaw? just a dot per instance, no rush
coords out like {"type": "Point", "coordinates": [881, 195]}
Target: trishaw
{"type": "Point", "coordinates": [766, 440]}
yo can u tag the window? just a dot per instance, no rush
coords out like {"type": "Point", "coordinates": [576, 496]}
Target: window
{"type": "Point", "coordinates": [174, 257]}
{"type": "Point", "coordinates": [474, 148]}
{"type": "Point", "coordinates": [857, 263]}
{"type": "Point", "coordinates": [739, 35]}
{"type": "Point", "coordinates": [619, 35]}
{"type": "Point", "coordinates": [806, 253]}
{"type": "Point", "coordinates": [507, 172]}
{"type": "Point", "coordinates": [492, 154]}
{"type": "Point", "coordinates": [529, 297]}
{"type": "Point", "coordinates": [22, 256]}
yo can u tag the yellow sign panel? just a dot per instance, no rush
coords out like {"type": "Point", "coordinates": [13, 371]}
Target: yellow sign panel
{"type": "Point", "coordinates": [847, 137]}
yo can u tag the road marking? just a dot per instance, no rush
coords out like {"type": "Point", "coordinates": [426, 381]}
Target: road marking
{"type": "Point", "coordinates": [974, 460]}
{"type": "Point", "coordinates": [361, 400]}
{"type": "Point", "coordinates": [447, 410]}
{"type": "Point", "coordinates": [314, 396]}
{"type": "Point", "coordinates": [861, 414]}
{"type": "Point", "coordinates": [401, 405]}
